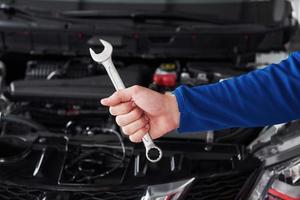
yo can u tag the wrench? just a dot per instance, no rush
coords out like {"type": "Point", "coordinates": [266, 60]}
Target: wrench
{"type": "Point", "coordinates": [153, 152]}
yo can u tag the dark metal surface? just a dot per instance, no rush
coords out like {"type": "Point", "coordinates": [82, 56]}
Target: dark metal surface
{"type": "Point", "coordinates": [11, 192]}
{"type": "Point", "coordinates": [224, 187]}
{"type": "Point", "coordinates": [60, 167]}
{"type": "Point", "coordinates": [220, 187]}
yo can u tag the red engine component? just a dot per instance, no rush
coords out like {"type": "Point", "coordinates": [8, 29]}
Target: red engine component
{"type": "Point", "coordinates": [165, 78]}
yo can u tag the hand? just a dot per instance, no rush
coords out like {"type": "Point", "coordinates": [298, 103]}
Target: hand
{"type": "Point", "coordinates": [139, 110]}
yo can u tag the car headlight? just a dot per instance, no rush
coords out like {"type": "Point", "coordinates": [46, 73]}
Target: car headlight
{"type": "Point", "coordinates": [168, 191]}
{"type": "Point", "coordinates": [281, 182]}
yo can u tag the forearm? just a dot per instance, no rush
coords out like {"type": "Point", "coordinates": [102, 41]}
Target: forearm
{"type": "Point", "coordinates": [259, 98]}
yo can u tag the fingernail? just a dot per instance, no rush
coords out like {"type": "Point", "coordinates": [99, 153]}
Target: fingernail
{"type": "Point", "coordinates": [133, 104]}
{"type": "Point", "coordinates": [102, 101]}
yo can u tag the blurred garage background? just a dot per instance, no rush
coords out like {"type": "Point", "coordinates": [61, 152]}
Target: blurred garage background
{"type": "Point", "coordinates": [58, 143]}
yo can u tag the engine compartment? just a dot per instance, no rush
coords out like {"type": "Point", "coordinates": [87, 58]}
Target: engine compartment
{"type": "Point", "coordinates": [58, 142]}
{"type": "Point", "coordinates": [58, 139]}
{"type": "Point", "coordinates": [64, 95]}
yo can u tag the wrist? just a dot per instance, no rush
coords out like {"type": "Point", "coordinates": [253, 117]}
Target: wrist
{"type": "Point", "coordinates": [173, 109]}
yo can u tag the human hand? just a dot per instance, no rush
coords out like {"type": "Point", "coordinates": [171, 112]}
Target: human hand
{"type": "Point", "coordinates": [139, 110]}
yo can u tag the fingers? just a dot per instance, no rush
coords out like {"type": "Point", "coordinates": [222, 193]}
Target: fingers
{"type": "Point", "coordinates": [134, 115]}
{"type": "Point", "coordinates": [116, 98]}
{"type": "Point", "coordinates": [128, 115]}
{"type": "Point", "coordinates": [121, 108]}
{"type": "Point", "coordinates": [121, 96]}
{"type": "Point", "coordinates": [137, 136]}
{"type": "Point", "coordinates": [135, 126]}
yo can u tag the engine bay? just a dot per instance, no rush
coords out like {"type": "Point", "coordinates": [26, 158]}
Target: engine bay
{"type": "Point", "coordinates": [55, 133]}
{"type": "Point", "coordinates": [58, 142]}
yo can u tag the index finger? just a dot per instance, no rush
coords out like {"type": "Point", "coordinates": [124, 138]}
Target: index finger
{"type": "Point", "coordinates": [117, 98]}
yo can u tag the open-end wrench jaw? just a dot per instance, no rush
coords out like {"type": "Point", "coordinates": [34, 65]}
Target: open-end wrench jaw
{"type": "Point", "coordinates": [104, 55]}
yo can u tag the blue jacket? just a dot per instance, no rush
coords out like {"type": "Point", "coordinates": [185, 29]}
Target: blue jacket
{"type": "Point", "coordinates": [259, 98]}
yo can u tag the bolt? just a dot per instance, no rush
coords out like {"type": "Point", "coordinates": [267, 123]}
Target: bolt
{"type": "Point", "coordinates": [42, 140]}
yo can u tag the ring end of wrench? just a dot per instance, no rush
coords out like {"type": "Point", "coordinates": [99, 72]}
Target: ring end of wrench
{"type": "Point", "coordinates": [154, 154]}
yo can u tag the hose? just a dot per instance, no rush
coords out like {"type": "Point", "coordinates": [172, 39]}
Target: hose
{"type": "Point", "coordinates": [21, 120]}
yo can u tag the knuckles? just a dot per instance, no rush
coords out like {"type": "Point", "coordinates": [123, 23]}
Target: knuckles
{"type": "Point", "coordinates": [135, 88]}
{"type": "Point", "coordinates": [132, 128]}
{"type": "Point", "coordinates": [136, 113]}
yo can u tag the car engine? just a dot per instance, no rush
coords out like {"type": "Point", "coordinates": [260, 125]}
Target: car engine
{"type": "Point", "coordinates": [58, 143]}
{"type": "Point", "coordinates": [58, 139]}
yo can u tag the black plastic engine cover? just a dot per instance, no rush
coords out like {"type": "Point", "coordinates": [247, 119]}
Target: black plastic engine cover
{"type": "Point", "coordinates": [83, 91]}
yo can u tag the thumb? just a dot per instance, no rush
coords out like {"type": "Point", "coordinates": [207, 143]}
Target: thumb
{"type": "Point", "coordinates": [117, 98]}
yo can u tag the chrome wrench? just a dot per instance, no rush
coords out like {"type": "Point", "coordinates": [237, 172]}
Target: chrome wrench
{"type": "Point", "coordinates": [153, 152]}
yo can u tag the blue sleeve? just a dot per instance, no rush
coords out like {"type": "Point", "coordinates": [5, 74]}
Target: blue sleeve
{"type": "Point", "coordinates": [259, 98]}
